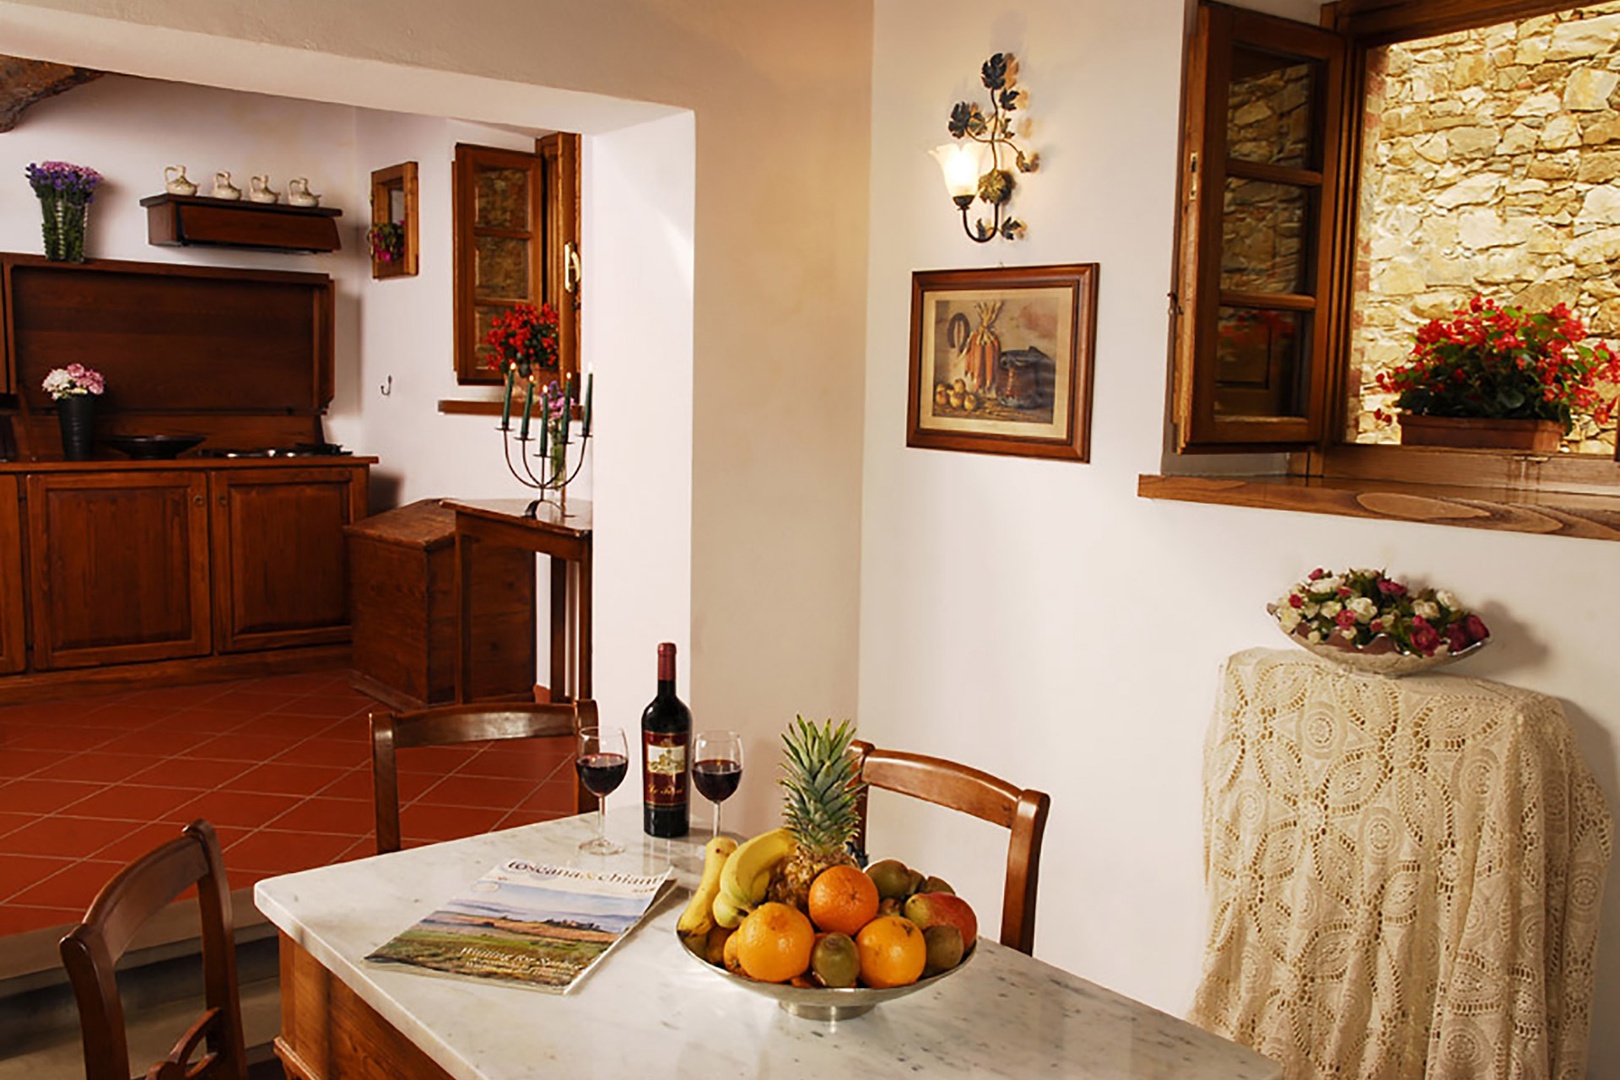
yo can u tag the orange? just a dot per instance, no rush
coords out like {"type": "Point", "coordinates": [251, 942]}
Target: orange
{"type": "Point", "coordinates": [774, 943]}
{"type": "Point", "coordinates": [893, 951]}
{"type": "Point", "coordinates": [842, 900]}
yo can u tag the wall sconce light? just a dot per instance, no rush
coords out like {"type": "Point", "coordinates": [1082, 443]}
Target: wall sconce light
{"type": "Point", "coordinates": [973, 165]}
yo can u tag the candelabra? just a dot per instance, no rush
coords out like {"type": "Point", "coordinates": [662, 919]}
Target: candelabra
{"type": "Point", "coordinates": [556, 415]}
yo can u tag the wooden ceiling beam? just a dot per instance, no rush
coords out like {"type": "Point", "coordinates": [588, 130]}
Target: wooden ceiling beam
{"type": "Point", "coordinates": [24, 83]}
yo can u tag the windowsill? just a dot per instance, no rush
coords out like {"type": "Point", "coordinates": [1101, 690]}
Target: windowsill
{"type": "Point", "coordinates": [1558, 495]}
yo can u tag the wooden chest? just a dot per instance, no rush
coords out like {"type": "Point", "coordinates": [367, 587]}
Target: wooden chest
{"type": "Point", "coordinates": [403, 595]}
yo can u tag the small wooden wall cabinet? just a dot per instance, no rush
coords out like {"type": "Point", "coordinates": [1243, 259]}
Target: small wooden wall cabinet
{"type": "Point", "coordinates": [403, 573]}
{"type": "Point", "coordinates": [198, 221]}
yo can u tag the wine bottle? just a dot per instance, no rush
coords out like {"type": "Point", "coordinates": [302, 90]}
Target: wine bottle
{"type": "Point", "coordinates": [666, 733]}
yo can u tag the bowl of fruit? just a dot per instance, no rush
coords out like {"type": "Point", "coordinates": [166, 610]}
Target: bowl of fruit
{"type": "Point", "coordinates": [790, 916]}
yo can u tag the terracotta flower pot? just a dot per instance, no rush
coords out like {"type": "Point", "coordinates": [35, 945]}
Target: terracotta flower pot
{"type": "Point", "coordinates": [1533, 436]}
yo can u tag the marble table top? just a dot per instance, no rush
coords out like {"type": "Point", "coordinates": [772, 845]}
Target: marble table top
{"type": "Point", "coordinates": [648, 1009]}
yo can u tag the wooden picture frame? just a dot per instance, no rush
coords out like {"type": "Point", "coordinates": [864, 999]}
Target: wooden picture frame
{"type": "Point", "coordinates": [394, 198]}
{"type": "Point", "coordinates": [1001, 360]}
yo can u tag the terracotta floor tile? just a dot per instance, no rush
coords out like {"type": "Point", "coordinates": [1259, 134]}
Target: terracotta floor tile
{"type": "Point", "coordinates": [434, 823]}
{"type": "Point", "coordinates": [354, 784]}
{"type": "Point", "coordinates": [353, 817]}
{"type": "Point", "coordinates": [355, 728]}
{"type": "Point", "coordinates": [272, 852]}
{"type": "Point", "coordinates": [538, 764]}
{"type": "Point", "coordinates": [237, 809]}
{"type": "Point", "coordinates": [557, 796]}
{"type": "Point", "coordinates": [15, 919]}
{"type": "Point", "coordinates": [286, 779]}
{"type": "Point", "coordinates": [339, 752]}
{"type": "Point", "coordinates": [97, 767]}
{"type": "Point", "coordinates": [488, 791]}
{"type": "Point", "coordinates": [286, 726]}
{"type": "Point", "coordinates": [14, 762]}
{"type": "Point", "coordinates": [65, 836]}
{"type": "Point", "coordinates": [332, 708]}
{"type": "Point", "coordinates": [363, 848]}
{"type": "Point", "coordinates": [30, 796]}
{"type": "Point", "coordinates": [60, 737]}
{"type": "Point", "coordinates": [19, 872]}
{"type": "Point", "coordinates": [238, 746]}
{"type": "Point", "coordinates": [413, 783]}
{"type": "Point", "coordinates": [125, 716]}
{"type": "Point", "coordinates": [131, 802]}
{"type": "Point", "coordinates": [73, 886]}
{"type": "Point", "coordinates": [205, 722]}
{"type": "Point", "coordinates": [155, 741]}
{"type": "Point", "coordinates": [192, 773]}
{"type": "Point", "coordinates": [11, 820]}
{"type": "Point", "coordinates": [142, 839]}
{"type": "Point", "coordinates": [178, 697]}
{"type": "Point", "coordinates": [439, 759]}
{"type": "Point", "coordinates": [253, 701]}
{"type": "Point", "coordinates": [515, 818]}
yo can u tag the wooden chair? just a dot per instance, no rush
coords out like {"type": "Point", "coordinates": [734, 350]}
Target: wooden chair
{"type": "Point", "coordinates": [961, 787]}
{"type": "Point", "coordinates": [450, 725]}
{"type": "Point", "coordinates": [91, 951]}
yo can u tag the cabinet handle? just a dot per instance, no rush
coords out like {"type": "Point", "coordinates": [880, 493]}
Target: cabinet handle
{"type": "Point", "coordinates": [224, 501]}
{"type": "Point", "coordinates": [198, 500]}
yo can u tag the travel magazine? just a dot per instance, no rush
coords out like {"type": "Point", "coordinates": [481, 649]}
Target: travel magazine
{"type": "Point", "coordinates": [526, 923]}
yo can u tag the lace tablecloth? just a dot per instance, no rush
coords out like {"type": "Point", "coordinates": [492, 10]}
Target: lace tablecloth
{"type": "Point", "coordinates": [1405, 875]}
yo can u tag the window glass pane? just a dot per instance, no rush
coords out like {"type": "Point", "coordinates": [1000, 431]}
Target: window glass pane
{"type": "Point", "coordinates": [1270, 108]}
{"type": "Point", "coordinates": [1263, 244]}
{"type": "Point", "coordinates": [503, 268]}
{"type": "Point", "coordinates": [1260, 362]}
{"type": "Point", "coordinates": [1484, 174]}
{"type": "Point", "coordinates": [503, 199]}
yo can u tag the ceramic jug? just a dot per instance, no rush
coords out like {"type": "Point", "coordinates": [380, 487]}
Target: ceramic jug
{"type": "Point", "coordinates": [175, 182]}
{"type": "Point", "coordinates": [259, 189]}
{"type": "Point", "coordinates": [223, 188]}
{"type": "Point", "coordinates": [298, 193]}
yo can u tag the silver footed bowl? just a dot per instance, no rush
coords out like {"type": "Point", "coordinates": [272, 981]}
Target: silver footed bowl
{"type": "Point", "coordinates": [825, 1003]}
{"type": "Point", "coordinates": [1379, 656]}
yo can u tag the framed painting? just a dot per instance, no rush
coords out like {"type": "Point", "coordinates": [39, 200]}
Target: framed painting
{"type": "Point", "coordinates": [1001, 360]}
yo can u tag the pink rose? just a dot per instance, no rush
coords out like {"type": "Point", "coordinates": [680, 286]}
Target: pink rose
{"type": "Point", "coordinates": [1425, 638]}
{"type": "Point", "coordinates": [1295, 600]}
{"type": "Point", "coordinates": [1345, 618]}
{"type": "Point", "coordinates": [1476, 628]}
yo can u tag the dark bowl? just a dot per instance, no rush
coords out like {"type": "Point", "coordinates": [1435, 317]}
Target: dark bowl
{"type": "Point", "coordinates": [152, 447]}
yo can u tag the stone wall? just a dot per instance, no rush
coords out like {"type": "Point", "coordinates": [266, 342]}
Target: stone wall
{"type": "Point", "coordinates": [1491, 163]}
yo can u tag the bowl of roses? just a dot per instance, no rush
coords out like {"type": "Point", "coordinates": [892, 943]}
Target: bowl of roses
{"type": "Point", "coordinates": [1370, 622]}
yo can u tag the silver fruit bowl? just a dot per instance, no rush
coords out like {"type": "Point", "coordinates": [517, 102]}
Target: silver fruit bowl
{"type": "Point", "coordinates": [826, 1004]}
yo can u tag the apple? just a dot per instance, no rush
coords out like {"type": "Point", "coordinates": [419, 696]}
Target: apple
{"type": "Point", "coordinates": [938, 908]}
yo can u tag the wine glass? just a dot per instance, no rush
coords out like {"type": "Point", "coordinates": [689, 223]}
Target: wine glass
{"type": "Point", "coordinates": [717, 763]}
{"type": "Point", "coordinates": [601, 760]}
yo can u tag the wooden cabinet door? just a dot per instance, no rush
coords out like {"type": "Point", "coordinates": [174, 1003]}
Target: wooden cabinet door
{"type": "Point", "coordinates": [119, 567]}
{"type": "Point", "coordinates": [13, 650]}
{"type": "Point", "coordinates": [280, 569]}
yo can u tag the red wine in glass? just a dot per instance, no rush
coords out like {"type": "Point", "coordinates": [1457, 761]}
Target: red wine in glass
{"type": "Point", "coordinates": [601, 760]}
{"type": "Point", "coordinates": [717, 778]}
{"type": "Point", "coordinates": [602, 773]}
{"type": "Point", "coordinates": [717, 763]}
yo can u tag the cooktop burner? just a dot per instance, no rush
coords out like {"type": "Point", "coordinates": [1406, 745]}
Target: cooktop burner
{"type": "Point", "coordinates": [296, 450]}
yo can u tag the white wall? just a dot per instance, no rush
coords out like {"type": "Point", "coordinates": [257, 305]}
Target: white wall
{"type": "Point", "coordinates": [1041, 620]}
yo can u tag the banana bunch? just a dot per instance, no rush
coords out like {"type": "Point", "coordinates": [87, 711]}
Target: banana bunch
{"type": "Point", "coordinates": [734, 880]}
{"type": "Point", "coordinates": [747, 874]}
{"type": "Point", "coordinates": [698, 918]}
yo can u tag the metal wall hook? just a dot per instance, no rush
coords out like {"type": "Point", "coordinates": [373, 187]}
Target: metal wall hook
{"type": "Point", "coordinates": [386, 388]}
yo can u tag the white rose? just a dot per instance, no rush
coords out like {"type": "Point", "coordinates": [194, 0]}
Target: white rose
{"type": "Point", "coordinates": [1363, 606]}
{"type": "Point", "coordinates": [1310, 609]}
{"type": "Point", "coordinates": [1325, 586]}
{"type": "Point", "coordinates": [1287, 618]}
{"type": "Point", "coordinates": [1332, 608]}
{"type": "Point", "coordinates": [1426, 608]}
{"type": "Point", "coordinates": [1348, 632]}
{"type": "Point", "coordinates": [1447, 599]}
{"type": "Point", "coordinates": [1314, 636]}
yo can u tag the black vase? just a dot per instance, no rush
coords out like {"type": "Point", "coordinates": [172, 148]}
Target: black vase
{"type": "Point", "coordinates": [77, 415]}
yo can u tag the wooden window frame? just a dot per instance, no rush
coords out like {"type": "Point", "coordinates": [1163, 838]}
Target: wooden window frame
{"type": "Point", "coordinates": [1324, 457]}
{"type": "Point", "coordinates": [553, 237]}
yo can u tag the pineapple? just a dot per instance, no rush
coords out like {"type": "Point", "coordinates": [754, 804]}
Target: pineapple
{"type": "Point", "coordinates": [818, 806]}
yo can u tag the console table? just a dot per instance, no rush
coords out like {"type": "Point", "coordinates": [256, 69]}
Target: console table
{"type": "Point", "coordinates": [1404, 875]}
{"type": "Point", "coordinates": [566, 540]}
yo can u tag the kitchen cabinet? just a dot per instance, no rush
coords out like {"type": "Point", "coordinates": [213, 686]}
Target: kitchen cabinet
{"type": "Point", "coordinates": [279, 579]}
{"type": "Point", "coordinates": [119, 567]}
{"type": "Point", "coordinates": [13, 646]}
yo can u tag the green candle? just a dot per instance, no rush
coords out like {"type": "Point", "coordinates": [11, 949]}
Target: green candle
{"type": "Point", "coordinates": [545, 421]}
{"type": "Point", "coordinates": [528, 407]}
{"type": "Point", "coordinates": [506, 406]}
{"type": "Point", "coordinates": [590, 384]}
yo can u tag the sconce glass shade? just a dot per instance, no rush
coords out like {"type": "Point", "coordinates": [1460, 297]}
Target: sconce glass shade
{"type": "Point", "coordinates": [960, 162]}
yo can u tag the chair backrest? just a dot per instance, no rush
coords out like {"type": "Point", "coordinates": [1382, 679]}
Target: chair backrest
{"type": "Point", "coordinates": [91, 950]}
{"type": "Point", "coordinates": [964, 788]}
{"type": "Point", "coordinates": [449, 725]}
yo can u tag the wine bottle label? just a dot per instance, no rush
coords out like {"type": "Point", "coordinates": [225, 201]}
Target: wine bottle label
{"type": "Point", "coordinates": [666, 770]}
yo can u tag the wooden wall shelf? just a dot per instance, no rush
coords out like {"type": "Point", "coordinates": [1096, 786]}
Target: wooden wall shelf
{"type": "Point", "coordinates": [199, 221]}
